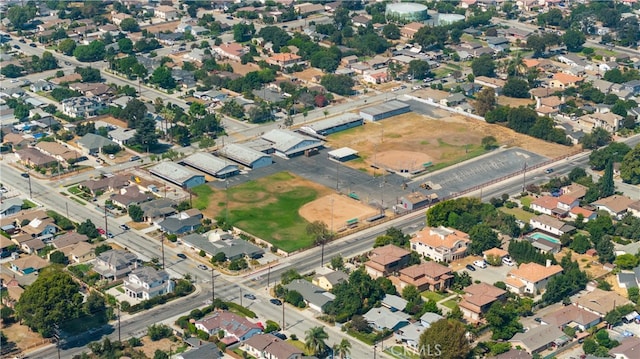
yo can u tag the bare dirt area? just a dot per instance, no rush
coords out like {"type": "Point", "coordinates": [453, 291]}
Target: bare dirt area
{"type": "Point", "coordinates": [514, 102]}
{"type": "Point", "coordinates": [337, 207]}
{"type": "Point", "coordinates": [149, 347]}
{"type": "Point", "coordinates": [22, 337]}
{"type": "Point", "coordinates": [425, 139]}
{"type": "Point", "coordinates": [587, 263]}
{"type": "Point", "coordinates": [308, 74]}
{"type": "Point", "coordinates": [401, 161]}
{"type": "Point", "coordinates": [241, 69]}
{"type": "Point", "coordinates": [112, 121]}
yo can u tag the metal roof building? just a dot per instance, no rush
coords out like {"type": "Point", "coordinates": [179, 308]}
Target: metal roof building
{"type": "Point", "coordinates": [211, 164]}
{"type": "Point", "coordinates": [384, 110]}
{"type": "Point", "coordinates": [288, 144]}
{"type": "Point", "coordinates": [246, 156]}
{"type": "Point", "coordinates": [176, 174]}
{"type": "Point", "coordinates": [334, 124]}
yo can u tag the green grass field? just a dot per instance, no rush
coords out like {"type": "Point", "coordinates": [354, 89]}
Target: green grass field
{"type": "Point", "coordinates": [435, 296]}
{"type": "Point", "coordinates": [519, 213]}
{"type": "Point", "coordinates": [267, 208]}
{"type": "Point", "coordinates": [526, 201]}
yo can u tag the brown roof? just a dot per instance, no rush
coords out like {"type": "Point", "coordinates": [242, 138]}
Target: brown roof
{"type": "Point", "coordinates": [547, 202]}
{"type": "Point", "coordinates": [534, 272]}
{"type": "Point", "coordinates": [272, 345]}
{"type": "Point", "coordinates": [496, 252]}
{"type": "Point", "coordinates": [13, 138]}
{"type": "Point", "coordinates": [542, 92]}
{"type": "Point", "coordinates": [566, 78]}
{"type": "Point", "coordinates": [387, 254]}
{"type": "Point", "coordinates": [616, 203]}
{"type": "Point", "coordinates": [56, 149]}
{"type": "Point", "coordinates": [600, 301]}
{"type": "Point", "coordinates": [428, 269]}
{"type": "Point", "coordinates": [549, 221]}
{"type": "Point", "coordinates": [629, 347]}
{"type": "Point", "coordinates": [583, 211]}
{"type": "Point", "coordinates": [576, 190]}
{"type": "Point", "coordinates": [440, 237]}
{"type": "Point", "coordinates": [34, 156]}
{"type": "Point", "coordinates": [568, 314]}
{"type": "Point", "coordinates": [228, 321]}
{"type": "Point", "coordinates": [68, 239]}
{"type": "Point", "coordinates": [115, 182]}
{"type": "Point", "coordinates": [31, 261]}
{"type": "Point", "coordinates": [482, 294]}
{"type": "Point", "coordinates": [414, 26]}
{"type": "Point", "coordinates": [551, 101]}
{"type": "Point", "coordinates": [34, 244]}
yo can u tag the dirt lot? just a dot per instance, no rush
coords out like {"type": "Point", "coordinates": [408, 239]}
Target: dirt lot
{"type": "Point", "coordinates": [343, 208]}
{"type": "Point", "coordinates": [514, 102]}
{"type": "Point", "coordinates": [586, 263]}
{"type": "Point", "coordinates": [23, 338]}
{"type": "Point", "coordinates": [149, 347]}
{"type": "Point", "coordinates": [241, 69]}
{"type": "Point", "coordinates": [416, 138]}
{"type": "Point", "coordinates": [309, 73]}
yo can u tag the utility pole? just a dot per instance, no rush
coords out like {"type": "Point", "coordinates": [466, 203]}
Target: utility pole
{"type": "Point", "coordinates": [56, 335]}
{"type": "Point", "coordinates": [337, 177]}
{"type": "Point", "coordinates": [119, 337]}
{"type": "Point", "coordinates": [30, 192]}
{"type": "Point", "coordinates": [524, 177]}
{"type": "Point", "coordinates": [162, 246]}
{"type": "Point", "coordinates": [213, 286]}
{"type": "Point", "coordinates": [284, 325]}
{"type": "Point", "coordinates": [66, 205]}
{"type": "Point", "coordinates": [268, 274]}
{"type": "Point", "coordinates": [106, 228]}
{"type": "Point", "coordinates": [240, 296]}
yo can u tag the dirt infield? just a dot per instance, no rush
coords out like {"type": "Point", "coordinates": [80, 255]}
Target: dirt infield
{"type": "Point", "coordinates": [344, 209]}
{"type": "Point", "coordinates": [445, 140]}
{"type": "Point", "coordinates": [401, 161]}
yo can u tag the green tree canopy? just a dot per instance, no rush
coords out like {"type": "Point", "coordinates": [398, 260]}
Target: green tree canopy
{"type": "Point", "coordinates": [483, 66]}
{"type": "Point", "coordinates": [630, 166]}
{"type": "Point", "coordinates": [339, 84]}
{"type": "Point", "coordinates": [445, 339]}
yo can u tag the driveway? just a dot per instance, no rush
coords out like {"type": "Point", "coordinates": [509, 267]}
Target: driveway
{"type": "Point", "coordinates": [488, 275]}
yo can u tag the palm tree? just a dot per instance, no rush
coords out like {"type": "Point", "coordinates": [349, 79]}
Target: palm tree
{"type": "Point", "coordinates": [342, 349]}
{"type": "Point", "coordinates": [315, 340]}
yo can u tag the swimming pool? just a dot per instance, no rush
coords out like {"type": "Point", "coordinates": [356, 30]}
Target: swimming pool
{"type": "Point", "coordinates": [539, 235]}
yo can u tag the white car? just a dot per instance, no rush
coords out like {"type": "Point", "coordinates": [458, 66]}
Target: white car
{"type": "Point", "coordinates": [508, 262]}
{"type": "Point", "coordinates": [480, 263]}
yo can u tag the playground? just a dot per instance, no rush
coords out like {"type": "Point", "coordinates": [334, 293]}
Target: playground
{"type": "Point", "coordinates": [337, 211]}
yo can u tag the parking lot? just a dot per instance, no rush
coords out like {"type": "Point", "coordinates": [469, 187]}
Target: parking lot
{"type": "Point", "coordinates": [489, 275]}
{"type": "Point", "coordinates": [483, 169]}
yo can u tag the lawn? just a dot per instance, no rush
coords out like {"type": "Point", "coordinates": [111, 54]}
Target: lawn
{"type": "Point", "coordinates": [267, 208]}
{"type": "Point", "coordinates": [451, 303]}
{"type": "Point", "coordinates": [519, 213]}
{"type": "Point", "coordinates": [298, 344]}
{"type": "Point", "coordinates": [28, 204]}
{"type": "Point", "coordinates": [526, 201]}
{"type": "Point", "coordinates": [435, 296]}
{"type": "Point", "coordinates": [203, 193]}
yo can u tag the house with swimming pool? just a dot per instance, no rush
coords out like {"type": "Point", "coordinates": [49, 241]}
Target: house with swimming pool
{"type": "Point", "coordinates": [551, 225]}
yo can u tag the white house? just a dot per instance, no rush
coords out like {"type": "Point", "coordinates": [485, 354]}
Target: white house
{"type": "Point", "coordinates": [551, 225]}
{"type": "Point", "coordinates": [82, 106]}
{"type": "Point", "coordinates": [145, 283]}
{"type": "Point", "coordinates": [232, 325]}
{"type": "Point", "coordinates": [165, 12]}
{"type": "Point", "coordinates": [440, 244]}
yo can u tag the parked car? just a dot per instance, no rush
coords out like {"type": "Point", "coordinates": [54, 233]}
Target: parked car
{"type": "Point", "coordinates": [250, 296]}
{"type": "Point", "coordinates": [134, 158]}
{"type": "Point", "coordinates": [16, 46]}
{"type": "Point", "coordinates": [275, 301]}
{"type": "Point", "coordinates": [539, 320]}
{"type": "Point", "coordinates": [480, 263]}
{"type": "Point", "coordinates": [25, 175]}
{"type": "Point", "coordinates": [4, 190]}
{"type": "Point", "coordinates": [203, 267]}
{"type": "Point", "coordinates": [508, 262]}
{"type": "Point", "coordinates": [124, 227]}
{"type": "Point", "coordinates": [102, 231]}
{"type": "Point", "coordinates": [279, 335]}
{"type": "Point", "coordinates": [548, 170]}
{"type": "Point", "coordinates": [22, 41]}
{"type": "Point", "coordinates": [470, 267]}
{"type": "Point", "coordinates": [33, 45]}
{"type": "Point", "coordinates": [181, 255]}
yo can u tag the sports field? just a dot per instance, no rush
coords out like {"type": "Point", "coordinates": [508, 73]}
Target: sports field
{"type": "Point", "coordinates": [278, 208]}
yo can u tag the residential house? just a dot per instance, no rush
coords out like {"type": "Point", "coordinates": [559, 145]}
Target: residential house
{"type": "Point", "coordinates": [440, 244]}
{"type": "Point", "coordinates": [572, 60]}
{"type": "Point", "coordinates": [498, 44]}
{"type": "Point", "coordinates": [214, 243]}
{"type": "Point", "coordinates": [383, 261]}
{"type": "Point", "coordinates": [206, 351]}
{"type": "Point", "coordinates": [60, 152]}
{"type": "Point", "coordinates": [562, 80]}
{"type": "Point", "coordinates": [515, 353]}
{"type": "Point", "coordinates": [478, 298]}
{"type": "Point", "coordinates": [104, 184]}
{"type": "Point", "coordinates": [16, 141]}
{"type": "Point", "coordinates": [285, 60]}
{"type": "Point", "coordinates": [315, 297]}
{"type": "Point", "coordinates": [232, 51]}
{"type": "Point", "coordinates": [145, 283]}
{"type": "Point", "coordinates": [32, 246]}
{"type": "Point", "coordinates": [600, 302]}
{"type": "Point", "coordinates": [360, 21]}
{"type": "Point", "coordinates": [92, 144]}
{"type": "Point", "coordinates": [608, 120]}
{"type": "Point", "coordinates": [165, 12]}
{"type": "Point", "coordinates": [41, 226]}
{"type": "Point", "coordinates": [394, 303]}
{"type": "Point", "coordinates": [306, 9]}
{"type": "Point", "coordinates": [80, 252]}
{"type": "Point", "coordinates": [539, 338]}
{"type": "Point", "coordinates": [11, 206]}
{"type": "Point", "coordinates": [41, 86]}
{"type": "Point", "coordinates": [130, 195]}
{"type": "Point", "coordinates": [235, 328]}
{"type": "Point", "coordinates": [376, 77]}
{"type": "Point", "coordinates": [571, 316]}
{"type": "Point", "coordinates": [268, 346]}
{"type": "Point", "coordinates": [34, 158]}
{"type": "Point", "coordinates": [11, 287]}
{"type": "Point", "coordinates": [549, 106]}
{"type": "Point", "coordinates": [531, 278]}
{"type": "Point", "coordinates": [158, 209]}
{"type": "Point", "coordinates": [425, 276]}
{"type": "Point", "coordinates": [91, 89]}
{"type": "Point", "coordinates": [383, 318]}
{"type": "Point", "coordinates": [82, 107]}
{"type": "Point", "coordinates": [632, 86]}
{"type": "Point", "coordinates": [122, 136]}
{"type": "Point", "coordinates": [410, 29]}
{"type": "Point", "coordinates": [117, 18]}
{"type": "Point", "coordinates": [115, 264]}
{"type": "Point", "coordinates": [329, 280]}
{"type": "Point", "coordinates": [28, 264]}
{"type": "Point", "coordinates": [496, 84]}
{"type": "Point", "coordinates": [183, 222]}
{"type": "Point", "coordinates": [494, 254]}
{"type": "Point", "coordinates": [629, 348]}
{"type": "Point", "coordinates": [615, 205]}
{"type": "Point", "coordinates": [410, 336]}
{"type": "Point", "coordinates": [586, 214]}
{"type": "Point", "coordinates": [551, 225]}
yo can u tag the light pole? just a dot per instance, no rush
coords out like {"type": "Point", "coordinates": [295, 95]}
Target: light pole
{"type": "Point", "coordinates": [524, 177]}
{"type": "Point", "coordinates": [213, 286]}
{"type": "Point", "coordinates": [268, 275]}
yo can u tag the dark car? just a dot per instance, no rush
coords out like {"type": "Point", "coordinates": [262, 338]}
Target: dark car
{"type": "Point", "coordinates": [229, 17]}
{"type": "Point", "coordinates": [275, 301]}
{"type": "Point", "coordinates": [25, 175]}
{"type": "Point", "coordinates": [110, 235]}
{"type": "Point", "coordinates": [124, 227]}
{"type": "Point", "coordinates": [471, 268]}
{"type": "Point", "coordinates": [279, 335]}
{"type": "Point", "coordinates": [548, 170]}
{"type": "Point", "coordinates": [16, 46]}
{"type": "Point", "coordinates": [23, 41]}
{"type": "Point", "coordinates": [539, 320]}
{"type": "Point", "coordinates": [250, 296]}
{"type": "Point", "coordinates": [33, 45]}
{"type": "Point", "coordinates": [181, 255]}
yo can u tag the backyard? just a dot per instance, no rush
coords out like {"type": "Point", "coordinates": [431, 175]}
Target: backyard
{"type": "Point", "coordinates": [267, 208]}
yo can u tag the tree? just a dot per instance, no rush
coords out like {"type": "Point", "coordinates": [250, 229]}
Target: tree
{"type": "Point", "coordinates": [482, 238]}
{"type": "Point", "coordinates": [339, 84]}
{"type": "Point", "coordinates": [626, 261]}
{"type": "Point", "coordinates": [20, 16]}
{"type": "Point", "coordinates": [342, 349]}
{"type": "Point", "coordinates": [419, 69]}
{"type": "Point", "coordinates": [134, 112]}
{"type": "Point", "coordinates": [243, 32]}
{"type": "Point", "coordinates": [125, 45]}
{"type": "Point", "coordinates": [630, 166]}
{"type": "Point", "coordinates": [516, 88]}
{"type": "Point", "coordinates": [483, 66]}
{"type": "Point", "coordinates": [58, 257]}
{"type": "Point", "coordinates": [606, 184]}
{"type": "Point", "coordinates": [574, 40]}
{"type": "Point", "coordinates": [89, 74]}
{"type": "Point", "coordinates": [489, 142]}
{"type": "Point", "coordinates": [445, 339]}
{"type": "Point", "coordinates": [315, 340]}
{"type": "Point", "coordinates": [485, 101]}
{"type": "Point", "coordinates": [54, 298]}
{"type": "Point", "coordinates": [597, 138]}
{"type": "Point", "coordinates": [580, 244]}
{"type": "Point", "coordinates": [337, 263]}
{"type": "Point", "coordinates": [136, 213]}
{"type": "Point", "coordinates": [11, 70]}
{"type": "Point", "coordinates": [130, 25]}
{"type": "Point", "coordinates": [159, 354]}
{"type": "Point", "coordinates": [503, 320]}
{"type": "Point", "coordinates": [88, 229]}
{"type": "Point", "coordinates": [95, 51]}
{"type": "Point", "coordinates": [391, 31]}
{"type": "Point", "coordinates": [67, 46]}
{"type": "Point", "coordinates": [163, 78]}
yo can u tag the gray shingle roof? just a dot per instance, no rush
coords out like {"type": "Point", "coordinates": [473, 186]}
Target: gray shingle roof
{"type": "Point", "coordinates": [173, 172]}
{"type": "Point", "coordinates": [242, 154]}
{"type": "Point", "coordinates": [311, 293]}
{"type": "Point", "coordinates": [210, 164]}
